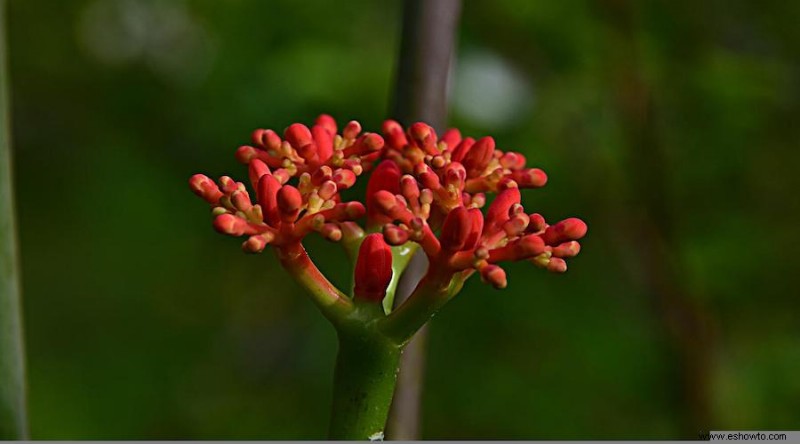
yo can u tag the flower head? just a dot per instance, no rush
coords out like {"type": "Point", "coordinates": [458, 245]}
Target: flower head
{"type": "Point", "coordinates": [423, 189]}
{"type": "Point", "coordinates": [443, 190]}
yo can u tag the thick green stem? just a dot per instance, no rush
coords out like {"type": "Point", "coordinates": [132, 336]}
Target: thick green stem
{"type": "Point", "coordinates": [13, 423]}
{"type": "Point", "coordinates": [332, 302]}
{"type": "Point", "coordinates": [364, 382]}
{"type": "Point", "coordinates": [428, 298]}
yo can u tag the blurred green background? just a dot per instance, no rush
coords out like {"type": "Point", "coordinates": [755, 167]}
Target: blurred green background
{"type": "Point", "coordinates": [670, 126]}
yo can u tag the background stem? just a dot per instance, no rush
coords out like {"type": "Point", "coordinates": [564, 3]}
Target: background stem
{"type": "Point", "coordinates": [420, 94]}
{"type": "Point", "coordinates": [13, 420]}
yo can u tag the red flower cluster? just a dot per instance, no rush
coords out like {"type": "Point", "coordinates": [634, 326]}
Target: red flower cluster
{"type": "Point", "coordinates": [422, 185]}
{"type": "Point", "coordinates": [324, 162]}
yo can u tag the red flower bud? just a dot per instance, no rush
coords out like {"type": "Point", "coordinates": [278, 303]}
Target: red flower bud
{"type": "Point", "coordinates": [394, 135]}
{"type": "Point", "coordinates": [373, 270]}
{"type": "Point", "coordinates": [309, 152]}
{"type": "Point", "coordinates": [461, 150]}
{"type": "Point", "coordinates": [256, 169]}
{"type": "Point", "coordinates": [566, 230]}
{"type": "Point", "coordinates": [227, 184]}
{"type": "Point", "coordinates": [451, 137]}
{"type": "Point", "coordinates": [372, 141]}
{"type": "Point", "coordinates": [567, 249]}
{"type": "Point", "coordinates": [241, 200]}
{"type": "Point", "coordinates": [246, 153]}
{"type": "Point", "coordinates": [530, 178]}
{"type": "Point", "coordinates": [497, 214]}
{"type": "Point", "coordinates": [494, 275]}
{"type": "Point", "coordinates": [394, 235]}
{"type": "Point", "coordinates": [386, 177]}
{"type": "Point", "coordinates": [267, 194]}
{"type": "Point", "coordinates": [456, 229]}
{"type": "Point", "coordinates": [233, 225]}
{"type": "Point", "coordinates": [327, 122]}
{"type": "Point", "coordinates": [256, 244]}
{"type": "Point", "coordinates": [267, 139]}
{"type": "Point", "coordinates": [351, 130]}
{"type": "Point", "coordinates": [479, 156]}
{"type": "Point", "coordinates": [556, 265]}
{"type": "Point", "coordinates": [476, 229]}
{"type": "Point", "coordinates": [537, 223]}
{"type": "Point", "coordinates": [204, 187]}
{"type": "Point", "coordinates": [512, 161]}
{"type": "Point", "coordinates": [323, 138]}
{"type": "Point", "coordinates": [421, 133]}
{"type": "Point", "coordinates": [289, 202]}
{"type": "Point", "coordinates": [298, 135]}
{"type": "Point", "coordinates": [343, 178]}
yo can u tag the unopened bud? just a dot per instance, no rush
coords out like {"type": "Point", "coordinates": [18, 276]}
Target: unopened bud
{"type": "Point", "coordinates": [557, 265]}
{"type": "Point", "coordinates": [298, 135]}
{"type": "Point", "coordinates": [351, 130]}
{"type": "Point", "coordinates": [566, 230]}
{"type": "Point", "coordinates": [373, 270]}
{"type": "Point", "coordinates": [204, 187]}
{"type": "Point", "coordinates": [494, 275]}
{"type": "Point", "coordinates": [567, 249]}
{"type": "Point", "coordinates": [289, 202]}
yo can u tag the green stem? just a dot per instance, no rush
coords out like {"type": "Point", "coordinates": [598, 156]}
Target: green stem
{"type": "Point", "coordinates": [364, 382]}
{"type": "Point", "coordinates": [332, 302]}
{"type": "Point", "coordinates": [401, 256]}
{"type": "Point", "coordinates": [432, 293]}
{"type": "Point", "coordinates": [13, 422]}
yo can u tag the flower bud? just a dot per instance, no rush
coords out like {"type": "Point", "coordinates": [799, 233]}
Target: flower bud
{"type": "Point", "coordinates": [451, 137]}
{"type": "Point", "coordinates": [476, 229]}
{"type": "Point", "coordinates": [566, 230]}
{"type": "Point", "coordinates": [495, 276]}
{"type": "Point", "coordinates": [385, 177]}
{"type": "Point", "coordinates": [204, 187]}
{"type": "Point", "coordinates": [497, 214]}
{"type": "Point", "coordinates": [244, 154]}
{"type": "Point", "coordinates": [461, 150]}
{"type": "Point", "coordinates": [567, 249]}
{"type": "Point", "coordinates": [289, 202]}
{"type": "Point", "coordinates": [257, 243]}
{"type": "Point", "coordinates": [327, 122]}
{"type": "Point", "coordinates": [233, 225]}
{"type": "Point", "coordinates": [421, 133]}
{"type": "Point", "coordinates": [373, 270]}
{"type": "Point", "coordinates": [512, 161]}
{"type": "Point", "coordinates": [556, 265]}
{"type": "Point", "coordinates": [298, 135]}
{"type": "Point", "coordinates": [456, 229]}
{"type": "Point", "coordinates": [256, 169]}
{"type": "Point", "coordinates": [394, 235]}
{"type": "Point", "coordinates": [267, 139]}
{"type": "Point", "coordinates": [351, 130]}
{"type": "Point", "coordinates": [530, 178]}
{"type": "Point", "coordinates": [537, 223]}
{"type": "Point", "coordinates": [479, 156]}
{"type": "Point", "coordinates": [344, 178]}
{"type": "Point", "coordinates": [267, 193]}
{"type": "Point", "coordinates": [324, 141]}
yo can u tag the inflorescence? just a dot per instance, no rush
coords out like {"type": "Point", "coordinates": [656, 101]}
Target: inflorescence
{"type": "Point", "coordinates": [423, 189]}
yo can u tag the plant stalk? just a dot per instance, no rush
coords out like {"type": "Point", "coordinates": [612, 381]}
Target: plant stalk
{"type": "Point", "coordinates": [420, 94]}
{"type": "Point", "coordinates": [364, 383]}
{"type": "Point", "coordinates": [13, 417]}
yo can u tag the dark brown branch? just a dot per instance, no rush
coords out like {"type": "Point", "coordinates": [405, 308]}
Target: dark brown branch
{"type": "Point", "coordinates": [420, 94]}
